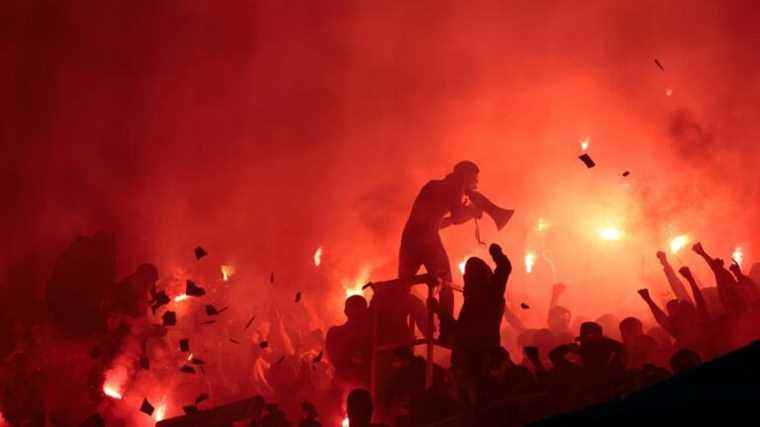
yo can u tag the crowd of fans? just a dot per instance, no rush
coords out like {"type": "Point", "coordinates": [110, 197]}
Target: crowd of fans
{"type": "Point", "coordinates": [366, 369]}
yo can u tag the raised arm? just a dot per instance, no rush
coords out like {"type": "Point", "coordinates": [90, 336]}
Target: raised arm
{"type": "Point", "coordinates": [503, 268]}
{"type": "Point", "coordinates": [675, 283]}
{"type": "Point", "coordinates": [659, 315]}
{"type": "Point", "coordinates": [698, 297]}
{"type": "Point", "coordinates": [745, 282]}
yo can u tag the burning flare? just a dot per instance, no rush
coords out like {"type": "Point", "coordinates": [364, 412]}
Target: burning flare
{"type": "Point", "coordinates": [462, 264]}
{"type": "Point", "coordinates": [354, 287]}
{"type": "Point", "coordinates": [111, 391]}
{"type": "Point", "coordinates": [738, 255]}
{"type": "Point", "coordinates": [610, 233]}
{"type": "Point", "coordinates": [318, 256]}
{"type": "Point", "coordinates": [179, 298]}
{"type": "Point", "coordinates": [160, 412]}
{"type": "Point", "coordinates": [227, 271]}
{"type": "Point", "coordinates": [585, 142]}
{"type": "Point", "coordinates": [530, 261]}
{"type": "Point", "coordinates": [678, 242]}
{"type": "Point", "coordinates": [114, 382]}
{"type": "Point", "coordinates": [345, 422]}
{"type": "Point", "coordinates": [542, 225]}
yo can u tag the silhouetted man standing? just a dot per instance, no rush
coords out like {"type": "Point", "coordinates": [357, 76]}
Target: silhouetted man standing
{"type": "Point", "coordinates": [439, 205]}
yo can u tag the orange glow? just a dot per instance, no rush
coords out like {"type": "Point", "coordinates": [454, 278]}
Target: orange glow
{"type": "Point", "coordinates": [462, 264]}
{"type": "Point", "coordinates": [669, 92]}
{"type": "Point", "coordinates": [530, 261]}
{"type": "Point", "coordinates": [227, 271]}
{"type": "Point", "coordinates": [179, 298]}
{"type": "Point", "coordinates": [189, 356]}
{"type": "Point", "coordinates": [345, 423]}
{"type": "Point", "coordinates": [542, 225]}
{"type": "Point", "coordinates": [115, 378]}
{"type": "Point", "coordinates": [611, 233]}
{"type": "Point", "coordinates": [738, 255]}
{"type": "Point", "coordinates": [679, 242]}
{"type": "Point", "coordinates": [354, 287]}
{"type": "Point", "coordinates": [585, 142]}
{"type": "Point", "coordinates": [318, 256]}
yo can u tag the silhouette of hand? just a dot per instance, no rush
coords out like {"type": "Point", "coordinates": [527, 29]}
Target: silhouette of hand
{"type": "Point", "coordinates": [558, 288]}
{"type": "Point", "coordinates": [662, 257]}
{"type": "Point", "coordinates": [495, 250]}
{"type": "Point", "coordinates": [685, 272]}
{"type": "Point", "coordinates": [644, 293]}
{"type": "Point", "coordinates": [735, 267]}
{"type": "Point", "coordinates": [698, 248]}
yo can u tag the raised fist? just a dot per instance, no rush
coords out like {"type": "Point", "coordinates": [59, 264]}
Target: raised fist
{"type": "Point", "coordinates": [558, 288]}
{"type": "Point", "coordinates": [662, 257]}
{"type": "Point", "coordinates": [685, 272]}
{"type": "Point", "coordinates": [644, 293]}
{"type": "Point", "coordinates": [494, 250]}
{"type": "Point", "coordinates": [697, 247]}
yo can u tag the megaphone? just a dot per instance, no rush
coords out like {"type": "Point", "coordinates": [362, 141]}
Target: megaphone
{"type": "Point", "coordinates": [499, 215]}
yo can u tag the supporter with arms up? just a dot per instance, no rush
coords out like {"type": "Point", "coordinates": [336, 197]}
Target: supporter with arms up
{"type": "Point", "coordinates": [679, 290]}
{"type": "Point", "coordinates": [728, 291]}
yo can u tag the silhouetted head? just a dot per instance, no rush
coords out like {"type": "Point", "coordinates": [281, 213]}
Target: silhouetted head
{"type": "Point", "coordinates": [683, 360]}
{"type": "Point", "coordinates": [466, 173]}
{"type": "Point", "coordinates": [355, 307]}
{"type": "Point", "coordinates": [476, 272]}
{"type": "Point", "coordinates": [559, 318]}
{"type": "Point", "coordinates": [630, 328]}
{"type": "Point", "coordinates": [359, 406]}
{"type": "Point", "coordinates": [590, 331]}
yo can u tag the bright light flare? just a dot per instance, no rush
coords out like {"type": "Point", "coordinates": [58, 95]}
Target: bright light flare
{"type": "Point", "coordinates": [678, 242]}
{"type": "Point", "coordinates": [111, 391]}
{"type": "Point", "coordinates": [611, 233]}
{"type": "Point", "coordinates": [227, 272]}
{"type": "Point", "coordinates": [738, 255]}
{"type": "Point", "coordinates": [190, 356]}
{"type": "Point", "coordinates": [354, 287]}
{"type": "Point", "coordinates": [462, 264]}
{"type": "Point", "coordinates": [160, 413]}
{"type": "Point", "coordinates": [585, 142]}
{"type": "Point", "coordinates": [179, 298]}
{"type": "Point", "coordinates": [668, 92]}
{"type": "Point", "coordinates": [318, 256]}
{"type": "Point", "coordinates": [530, 262]}
{"type": "Point", "coordinates": [345, 422]}
{"type": "Point", "coordinates": [542, 225]}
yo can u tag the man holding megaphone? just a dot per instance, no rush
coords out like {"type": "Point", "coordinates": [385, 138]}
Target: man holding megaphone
{"type": "Point", "coordinates": [441, 203]}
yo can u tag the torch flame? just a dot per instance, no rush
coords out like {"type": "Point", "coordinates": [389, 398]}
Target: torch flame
{"type": "Point", "coordinates": [542, 225]}
{"type": "Point", "coordinates": [530, 261]}
{"type": "Point", "coordinates": [318, 256]}
{"type": "Point", "coordinates": [738, 255]}
{"type": "Point", "coordinates": [114, 382]}
{"type": "Point", "coordinates": [354, 287]}
{"type": "Point", "coordinates": [190, 356]}
{"type": "Point", "coordinates": [585, 142]}
{"type": "Point", "coordinates": [227, 271]}
{"type": "Point", "coordinates": [678, 242]}
{"type": "Point", "coordinates": [610, 233]}
{"type": "Point", "coordinates": [179, 298]}
{"type": "Point", "coordinates": [345, 423]}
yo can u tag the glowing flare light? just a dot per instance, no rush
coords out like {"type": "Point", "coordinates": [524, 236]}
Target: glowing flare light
{"type": "Point", "coordinates": [611, 233]}
{"type": "Point", "coordinates": [111, 391]}
{"type": "Point", "coordinates": [542, 225]}
{"type": "Point", "coordinates": [227, 271]}
{"type": "Point", "coordinates": [179, 298]}
{"type": "Point", "coordinates": [678, 242]}
{"type": "Point", "coordinates": [160, 413]}
{"type": "Point", "coordinates": [462, 265]}
{"type": "Point", "coordinates": [345, 422]}
{"type": "Point", "coordinates": [530, 262]}
{"type": "Point", "coordinates": [738, 255]}
{"type": "Point", "coordinates": [585, 142]}
{"type": "Point", "coordinates": [318, 256]}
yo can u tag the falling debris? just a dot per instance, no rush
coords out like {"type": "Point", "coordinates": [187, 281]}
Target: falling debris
{"type": "Point", "coordinates": [200, 252]}
{"type": "Point", "coordinates": [169, 318]}
{"type": "Point", "coordinates": [197, 361]}
{"type": "Point", "coordinates": [318, 257]}
{"type": "Point", "coordinates": [626, 173]}
{"type": "Point", "coordinates": [586, 159]}
{"type": "Point", "coordinates": [298, 296]}
{"type": "Point", "coordinates": [194, 290]}
{"type": "Point", "coordinates": [146, 407]}
{"type": "Point", "coordinates": [212, 311]}
{"type": "Point", "coordinates": [657, 61]}
{"type": "Point", "coordinates": [187, 369]}
{"type": "Point", "coordinates": [264, 344]}
{"type": "Point", "coordinates": [208, 322]}
{"type": "Point", "coordinates": [318, 358]}
{"type": "Point", "coordinates": [524, 306]}
{"type": "Point", "coordinates": [184, 344]}
{"type": "Point", "coordinates": [249, 322]}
